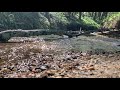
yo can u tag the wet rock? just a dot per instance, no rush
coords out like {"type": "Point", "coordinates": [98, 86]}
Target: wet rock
{"type": "Point", "coordinates": [111, 55]}
{"type": "Point", "coordinates": [44, 75]}
{"type": "Point", "coordinates": [74, 57]}
{"type": "Point", "coordinates": [91, 68]}
{"type": "Point", "coordinates": [36, 70]}
{"type": "Point", "coordinates": [12, 68]}
{"type": "Point", "coordinates": [43, 67]}
{"type": "Point", "coordinates": [5, 70]}
{"type": "Point", "coordinates": [30, 68]}
{"type": "Point", "coordinates": [31, 75]}
{"type": "Point", "coordinates": [55, 66]}
{"type": "Point", "coordinates": [37, 75]}
{"type": "Point", "coordinates": [83, 54]}
{"type": "Point", "coordinates": [47, 58]}
{"type": "Point", "coordinates": [68, 57]}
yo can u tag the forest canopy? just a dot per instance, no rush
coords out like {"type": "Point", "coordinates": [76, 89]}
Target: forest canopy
{"type": "Point", "coordinates": [57, 20]}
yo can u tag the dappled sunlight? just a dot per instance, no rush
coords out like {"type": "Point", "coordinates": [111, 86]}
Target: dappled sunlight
{"type": "Point", "coordinates": [59, 44]}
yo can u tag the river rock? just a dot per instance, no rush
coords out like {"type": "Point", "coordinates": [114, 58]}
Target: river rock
{"type": "Point", "coordinates": [43, 67]}
{"type": "Point", "coordinates": [68, 57]}
{"type": "Point", "coordinates": [83, 54]}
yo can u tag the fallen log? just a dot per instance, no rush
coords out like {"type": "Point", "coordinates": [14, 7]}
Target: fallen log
{"type": "Point", "coordinates": [6, 35]}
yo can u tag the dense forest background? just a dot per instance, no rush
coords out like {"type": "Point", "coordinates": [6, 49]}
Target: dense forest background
{"type": "Point", "coordinates": [58, 20]}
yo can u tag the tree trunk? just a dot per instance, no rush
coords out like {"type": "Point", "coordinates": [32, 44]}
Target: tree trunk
{"type": "Point", "coordinates": [80, 15]}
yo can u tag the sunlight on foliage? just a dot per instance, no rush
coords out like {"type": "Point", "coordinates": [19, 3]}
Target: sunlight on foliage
{"type": "Point", "coordinates": [89, 21]}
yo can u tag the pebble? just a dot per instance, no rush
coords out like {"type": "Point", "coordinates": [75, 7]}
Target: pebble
{"type": "Point", "coordinates": [74, 57]}
{"type": "Point", "coordinates": [43, 67]}
{"type": "Point", "coordinates": [68, 57]}
{"type": "Point", "coordinates": [37, 75]}
{"type": "Point", "coordinates": [111, 55]}
{"type": "Point", "coordinates": [31, 74]}
{"type": "Point", "coordinates": [83, 54]}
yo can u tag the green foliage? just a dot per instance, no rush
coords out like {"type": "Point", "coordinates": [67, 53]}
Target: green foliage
{"type": "Point", "coordinates": [60, 17]}
{"type": "Point", "coordinates": [90, 22]}
{"type": "Point", "coordinates": [56, 20]}
{"type": "Point", "coordinates": [111, 20]}
{"type": "Point", "coordinates": [112, 16]}
{"type": "Point", "coordinates": [23, 20]}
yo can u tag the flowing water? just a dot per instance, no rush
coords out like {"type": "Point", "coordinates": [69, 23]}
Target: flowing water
{"type": "Point", "coordinates": [80, 43]}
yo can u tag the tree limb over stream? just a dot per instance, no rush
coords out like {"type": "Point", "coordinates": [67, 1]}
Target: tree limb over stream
{"type": "Point", "coordinates": [6, 35]}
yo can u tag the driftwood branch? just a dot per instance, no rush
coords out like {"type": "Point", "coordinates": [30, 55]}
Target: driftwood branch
{"type": "Point", "coordinates": [6, 35]}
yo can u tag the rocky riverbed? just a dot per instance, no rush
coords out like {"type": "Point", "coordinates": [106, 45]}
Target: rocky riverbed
{"type": "Point", "coordinates": [66, 58]}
